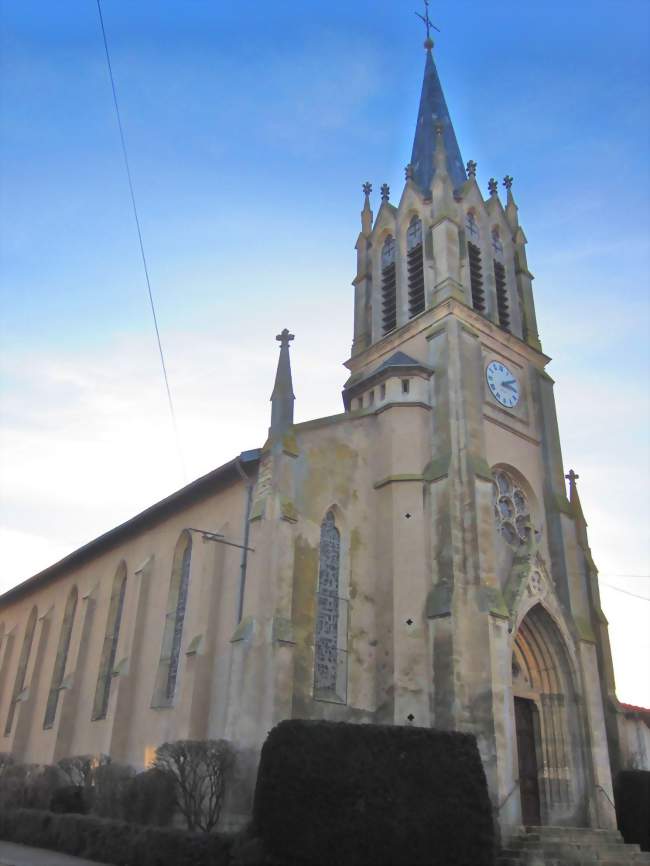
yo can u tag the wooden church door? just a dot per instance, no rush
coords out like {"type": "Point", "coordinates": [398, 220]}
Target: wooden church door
{"type": "Point", "coordinates": [528, 771]}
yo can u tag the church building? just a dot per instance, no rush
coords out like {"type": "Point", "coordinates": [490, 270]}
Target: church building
{"type": "Point", "coordinates": [419, 559]}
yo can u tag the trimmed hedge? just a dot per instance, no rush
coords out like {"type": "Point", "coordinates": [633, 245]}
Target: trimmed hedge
{"type": "Point", "coordinates": [114, 841]}
{"type": "Point", "coordinates": [338, 794]}
{"type": "Point", "coordinates": [632, 795]}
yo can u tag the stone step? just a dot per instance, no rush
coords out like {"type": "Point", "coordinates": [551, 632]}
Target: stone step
{"type": "Point", "coordinates": [571, 846]}
{"type": "Point", "coordinates": [574, 849]}
{"type": "Point", "coordinates": [537, 859]}
{"type": "Point", "coordinates": [572, 833]}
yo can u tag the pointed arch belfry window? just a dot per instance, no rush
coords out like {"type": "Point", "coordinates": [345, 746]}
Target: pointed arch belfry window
{"type": "Point", "coordinates": [503, 307]}
{"type": "Point", "coordinates": [330, 650]}
{"type": "Point", "coordinates": [23, 661]}
{"type": "Point", "coordinates": [475, 266]}
{"type": "Point", "coordinates": [61, 658]}
{"type": "Point", "coordinates": [109, 648]}
{"type": "Point", "coordinates": [415, 266]}
{"type": "Point", "coordinates": [167, 677]}
{"type": "Point", "coordinates": [388, 286]}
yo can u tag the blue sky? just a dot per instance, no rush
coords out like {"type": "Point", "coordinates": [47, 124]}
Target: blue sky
{"type": "Point", "coordinates": [250, 131]}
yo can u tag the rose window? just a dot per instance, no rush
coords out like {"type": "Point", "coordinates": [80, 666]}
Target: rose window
{"type": "Point", "coordinates": [511, 509]}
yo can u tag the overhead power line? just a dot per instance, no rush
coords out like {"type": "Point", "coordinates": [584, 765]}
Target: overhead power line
{"type": "Point", "coordinates": [624, 591]}
{"type": "Point", "coordinates": [137, 224]}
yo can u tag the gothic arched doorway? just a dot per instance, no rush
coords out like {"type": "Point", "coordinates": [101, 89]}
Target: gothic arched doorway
{"type": "Point", "coordinates": [549, 753]}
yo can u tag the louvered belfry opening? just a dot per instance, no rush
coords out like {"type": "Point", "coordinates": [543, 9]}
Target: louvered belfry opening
{"type": "Point", "coordinates": [388, 286]}
{"type": "Point", "coordinates": [502, 295]}
{"type": "Point", "coordinates": [415, 267]}
{"type": "Point", "coordinates": [476, 277]}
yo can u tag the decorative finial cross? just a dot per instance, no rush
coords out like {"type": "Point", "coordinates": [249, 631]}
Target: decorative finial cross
{"type": "Point", "coordinates": [367, 188]}
{"type": "Point", "coordinates": [572, 477]}
{"type": "Point", "coordinates": [385, 192]}
{"type": "Point", "coordinates": [493, 186]}
{"type": "Point", "coordinates": [428, 24]}
{"type": "Point", "coordinates": [471, 168]}
{"type": "Point", "coordinates": [284, 339]}
{"type": "Point", "coordinates": [507, 181]}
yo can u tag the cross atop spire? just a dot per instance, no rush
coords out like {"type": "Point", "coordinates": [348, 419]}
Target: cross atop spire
{"type": "Point", "coordinates": [284, 338]}
{"type": "Point", "coordinates": [428, 43]}
{"type": "Point", "coordinates": [572, 478]}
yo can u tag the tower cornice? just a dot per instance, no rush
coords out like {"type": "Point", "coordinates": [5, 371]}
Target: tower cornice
{"type": "Point", "coordinates": [429, 322]}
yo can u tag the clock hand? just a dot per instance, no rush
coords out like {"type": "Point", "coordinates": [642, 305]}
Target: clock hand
{"type": "Point", "coordinates": [508, 386]}
{"type": "Point", "coordinates": [510, 382]}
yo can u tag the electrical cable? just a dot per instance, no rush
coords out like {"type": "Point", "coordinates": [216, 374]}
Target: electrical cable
{"type": "Point", "coordinates": [624, 591]}
{"type": "Point", "coordinates": [142, 253]}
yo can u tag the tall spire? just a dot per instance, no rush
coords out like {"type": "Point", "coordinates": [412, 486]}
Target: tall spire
{"type": "Point", "coordinates": [282, 398]}
{"type": "Point", "coordinates": [433, 110]}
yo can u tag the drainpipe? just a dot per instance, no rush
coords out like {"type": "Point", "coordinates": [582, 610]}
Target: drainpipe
{"type": "Point", "coordinates": [244, 554]}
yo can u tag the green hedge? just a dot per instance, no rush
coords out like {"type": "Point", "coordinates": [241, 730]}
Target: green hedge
{"type": "Point", "coordinates": [337, 794]}
{"type": "Point", "coordinates": [114, 841]}
{"type": "Point", "coordinates": [632, 795]}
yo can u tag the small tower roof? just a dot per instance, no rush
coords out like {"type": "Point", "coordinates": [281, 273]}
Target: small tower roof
{"type": "Point", "coordinates": [433, 110]}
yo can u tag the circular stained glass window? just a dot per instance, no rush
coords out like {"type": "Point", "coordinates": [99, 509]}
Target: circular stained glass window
{"type": "Point", "coordinates": [511, 509]}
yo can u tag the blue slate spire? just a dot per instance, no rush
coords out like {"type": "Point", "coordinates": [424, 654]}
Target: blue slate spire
{"type": "Point", "coordinates": [433, 110]}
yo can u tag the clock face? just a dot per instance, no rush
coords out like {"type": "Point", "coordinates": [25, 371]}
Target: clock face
{"type": "Point", "coordinates": [503, 384]}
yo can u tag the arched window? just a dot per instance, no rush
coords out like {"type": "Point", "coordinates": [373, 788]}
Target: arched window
{"type": "Point", "coordinates": [61, 658]}
{"type": "Point", "coordinates": [173, 631]}
{"type": "Point", "coordinates": [511, 509]}
{"type": "Point", "coordinates": [23, 661]}
{"type": "Point", "coordinates": [388, 286]}
{"type": "Point", "coordinates": [471, 225]}
{"type": "Point", "coordinates": [109, 648]}
{"type": "Point", "coordinates": [474, 256]}
{"type": "Point", "coordinates": [415, 266]}
{"type": "Point", "coordinates": [503, 307]}
{"type": "Point", "coordinates": [497, 246]}
{"type": "Point", "coordinates": [330, 662]}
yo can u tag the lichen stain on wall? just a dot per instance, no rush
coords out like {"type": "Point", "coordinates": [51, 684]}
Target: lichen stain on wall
{"type": "Point", "coordinates": [305, 577]}
{"type": "Point", "coordinates": [328, 477]}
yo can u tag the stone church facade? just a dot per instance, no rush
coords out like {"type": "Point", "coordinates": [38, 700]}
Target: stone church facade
{"type": "Point", "coordinates": [415, 559]}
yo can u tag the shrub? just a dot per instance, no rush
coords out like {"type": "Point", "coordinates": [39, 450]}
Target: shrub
{"type": "Point", "coordinates": [78, 769]}
{"type": "Point", "coordinates": [337, 794]}
{"type": "Point", "coordinates": [199, 769]}
{"type": "Point", "coordinates": [69, 798]}
{"type": "Point", "coordinates": [632, 795]}
{"type": "Point", "coordinates": [150, 798]}
{"type": "Point", "coordinates": [42, 787]}
{"type": "Point", "coordinates": [113, 841]}
{"type": "Point", "coordinates": [16, 790]}
{"type": "Point", "coordinates": [111, 783]}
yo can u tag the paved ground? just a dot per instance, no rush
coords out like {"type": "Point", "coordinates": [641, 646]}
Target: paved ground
{"type": "Point", "coordinates": [21, 855]}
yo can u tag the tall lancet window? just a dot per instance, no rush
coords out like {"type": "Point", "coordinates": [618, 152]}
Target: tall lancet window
{"type": "Point", "coordinates": [415, 265]}
{"type": "Point", "coordinates": [388, 286]}
{"type": "Point", "coordinates": [474, 255]}
{"type": "Point", "coordinates": [167, 676]}
{"type": "Point", "coordinates": [109, 648]}
{"type": "Point", "coordinates": [61, 658]}
{"type": "Point", "coordinates": [503, 307]}
{"type": "Point", "coordinates": [331, 657]}
{"type": "Point", "coordinates": [23, 661]}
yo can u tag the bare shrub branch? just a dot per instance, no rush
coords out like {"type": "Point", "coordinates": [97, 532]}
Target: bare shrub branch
{"type": "Point", "coordinates": [199, 769]}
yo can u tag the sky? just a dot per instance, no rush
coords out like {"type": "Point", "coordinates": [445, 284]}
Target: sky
{"type": "Point", "coordinates": [250, 130]}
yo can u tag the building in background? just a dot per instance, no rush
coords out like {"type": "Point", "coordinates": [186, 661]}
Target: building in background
{"type": "Point", "coordinates": [415, 560]}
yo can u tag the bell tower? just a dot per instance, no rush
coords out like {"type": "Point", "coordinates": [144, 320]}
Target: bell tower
{"type": "Point", "coordinates": [444, 319]}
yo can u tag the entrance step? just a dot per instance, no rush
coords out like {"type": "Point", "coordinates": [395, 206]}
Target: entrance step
{"type": "Point", "coordinates": [571, 846]}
